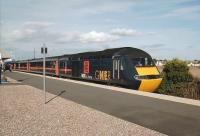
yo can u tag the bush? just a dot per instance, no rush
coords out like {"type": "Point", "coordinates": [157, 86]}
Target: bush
{"type": "Point", "coordinates": [177, 71]}
{"type": "Point", "coordinates": [178, 81]}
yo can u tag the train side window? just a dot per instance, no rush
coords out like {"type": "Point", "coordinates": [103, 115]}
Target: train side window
{"type": "Point", "coordinates": [62, 64]}
{"type": "Point", "coordinates": [69, 64]}
{"type": "Point", "coordinates": [121, 65]}
{"type": "Point", "coordinates": [146, 61]}
{"type": "Point", "coordinates": [115, 64]}
{"type": "Point", "coordinates": [65, 64]}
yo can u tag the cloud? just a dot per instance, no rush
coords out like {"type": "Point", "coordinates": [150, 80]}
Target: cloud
{"type": "Point", "coordinates": [30, 32]}
{"type": "Point", "coordinates": [68, 37]}
{"type": "Point", "coordinates": [96, 7]}
{"type": "Point", "coordinates": [35, 34]}
{"type": "Point", "coordinates": [125, 32]}
{"type": "Point", "coordinates": [100, 37]}
{"type": "Point", "coordinates": [184, 11]}
{"type": "Point", "coordinates": [129, 32]}
{"type": "Point", "coordinates": [94, 36]}
{"type": "Point", "coordinates": [89, 37]}
{"type": "Point", "coordinates": [37, 24]}
{"type": "Point", "coordinates": [17, 35]}
{"type": "Point", "coordinates": [39, 32]}
{"type": "Point", "coordinates": [153, 46]}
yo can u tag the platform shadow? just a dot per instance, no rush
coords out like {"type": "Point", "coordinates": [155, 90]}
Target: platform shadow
{"type": "Point", "coordinates": [21, 80]}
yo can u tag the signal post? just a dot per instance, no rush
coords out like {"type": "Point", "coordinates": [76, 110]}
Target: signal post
{"type": "Point", "coordinates": [44, 52]}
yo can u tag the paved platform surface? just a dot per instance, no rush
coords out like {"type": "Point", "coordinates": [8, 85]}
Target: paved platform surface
{"type": "Point", "coordinates": [164, 116]}
{"type": "Point", "coordinates": [23, 113]}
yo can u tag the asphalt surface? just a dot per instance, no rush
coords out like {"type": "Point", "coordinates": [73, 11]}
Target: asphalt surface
{"type": "Point", "coordinates": [167, 117]}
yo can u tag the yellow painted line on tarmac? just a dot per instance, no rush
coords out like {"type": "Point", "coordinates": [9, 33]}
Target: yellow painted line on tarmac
{"type": "Point", "coordinates": [124, 90]}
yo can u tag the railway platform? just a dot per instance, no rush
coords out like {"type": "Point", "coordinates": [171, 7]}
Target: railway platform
{"type": "Point", "coordinates": [164, 114]}
{"type": "Point", "coordinates": [23, 113]}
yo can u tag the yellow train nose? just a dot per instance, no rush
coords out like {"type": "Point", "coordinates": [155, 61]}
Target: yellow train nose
{"type": "Point", "coordinates": [148, 85]}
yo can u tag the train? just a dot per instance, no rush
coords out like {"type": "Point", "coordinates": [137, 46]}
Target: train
{"type": "Point", "coordinates": [128, 67]}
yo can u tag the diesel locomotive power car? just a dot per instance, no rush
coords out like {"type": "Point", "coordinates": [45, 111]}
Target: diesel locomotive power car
{"type": "Point", "coordinates": [129, 67]}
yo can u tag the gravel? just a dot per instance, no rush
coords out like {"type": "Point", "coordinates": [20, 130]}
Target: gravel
{"type": "Point", "coordinates": [22, 112]}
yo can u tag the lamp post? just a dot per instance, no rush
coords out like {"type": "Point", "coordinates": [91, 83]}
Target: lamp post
{"type": "Point", "coordinates": [44, 52]}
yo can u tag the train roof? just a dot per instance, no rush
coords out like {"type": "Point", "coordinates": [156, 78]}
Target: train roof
{"type": "Point", "coordinates": [108, 53]}
{"type": "Point", "coordinates": [129, 51]}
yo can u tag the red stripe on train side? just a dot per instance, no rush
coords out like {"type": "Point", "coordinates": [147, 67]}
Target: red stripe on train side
{"type": "Point", "coordinates": [56, 68]}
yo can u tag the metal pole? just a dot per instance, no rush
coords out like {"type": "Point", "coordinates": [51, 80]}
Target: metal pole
{"type": "Point", "coordinates": [44, 74]}
{"type": "Point", "coordinates": [1, 67]}
{"type": "Point", "coordinates": [34, 53]}
{"type": "Point", "coordinates": [0, 72]}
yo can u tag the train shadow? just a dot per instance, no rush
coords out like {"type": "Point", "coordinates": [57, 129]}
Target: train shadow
{"type": "Point", "coordinates": [55, 96]}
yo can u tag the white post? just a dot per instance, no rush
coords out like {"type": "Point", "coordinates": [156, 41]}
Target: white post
{"type": "Point", "coordinates": [44, 74]}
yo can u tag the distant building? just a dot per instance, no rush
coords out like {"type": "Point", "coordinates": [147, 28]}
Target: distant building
{"type": "Point", "coordinates": [194, 63]}
{"type": "Point", "coordinates": [4, 55]}
{"type": "Point", "coordinates": [160, 62]}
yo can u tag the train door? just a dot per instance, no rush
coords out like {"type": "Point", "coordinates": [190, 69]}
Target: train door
{"type": "Point", "coordinates": [75, 68]}
{"type": "Point", "coordinates": [116, 67]}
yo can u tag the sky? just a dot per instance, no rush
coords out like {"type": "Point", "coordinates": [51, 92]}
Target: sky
{"type": "Point", "coordinates": [166, 29]}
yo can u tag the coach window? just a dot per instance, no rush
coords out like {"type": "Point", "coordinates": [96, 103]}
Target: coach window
{"type": "Point", "coordinates": [63, 64]}
{"type": "Point", "coordinates": [69, 64]}
{"type": "Point", "coordinates": [146, 61]}
{"type": "Point", "coordinates": [115, 63]}
{"type": "Point", "coordinates": [53, 64]}
{"type": "Point", "coordinates": [121, 65]}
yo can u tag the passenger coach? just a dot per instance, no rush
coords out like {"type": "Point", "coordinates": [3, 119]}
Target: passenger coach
{"type": "Point", "coordinates": [129, 67]}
